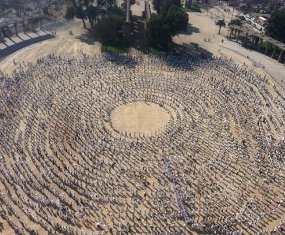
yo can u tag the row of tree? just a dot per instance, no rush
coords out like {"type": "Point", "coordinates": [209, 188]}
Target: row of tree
{"type": "Point", "coordinates": [221, 23]}
{"type": "Point", "coordinates": [275, 26]}
{"type": "Point", "coordinates": [162, 27]}
{"type": "Point", "coordinates": [88, 9]}
{"type": "Point", "coordinates": [106, 21]}
{"type": "Point", "coordinates": [104, 17]}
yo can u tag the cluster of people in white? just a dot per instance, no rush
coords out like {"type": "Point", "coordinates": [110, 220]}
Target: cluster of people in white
{"type": "Point", "coordinates": [217, 166]}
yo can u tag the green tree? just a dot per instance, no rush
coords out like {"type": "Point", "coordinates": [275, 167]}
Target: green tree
{"type": "Point", "coordinates": [81, 14]}
{"type": "Point", "coordinates": [276, 25]}
{"type": "Point", "coordinates": [70, 13]}
{"type": "Point", "coordinates": [166, 4]}
{"type": "Point", "coordinates": [157, 5]}
{"type": "Point", "coordinates": [87, 9]}
{"type": "Point", "coordinates": [220, 23]}
{"type": "Point", "coordinates": [163, 5]}
{"type": "Point", "coordinates": [194, 7]}
{"type": "Point", "coordinates": [108, 29]}
{"type": "Point", "coordinates": [162, 27]}
{"type": "Point", "coordinates": [92, 13]}
{"type": "Point", "coordinates": [115, 10]}
{"type": "Point", "coordinates": [158, 33]}
{"type": "Point", "coordinates": [106, 3]}
{"type": "Point", "coordinates": [176, 19]}
{"type": "Point", "coordinates": [46, 11]}
{"type": "Point", "coordinates": [237, 22]}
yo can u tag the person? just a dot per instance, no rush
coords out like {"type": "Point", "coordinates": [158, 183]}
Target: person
{"type": "Point", "coordinates": [64, 166]}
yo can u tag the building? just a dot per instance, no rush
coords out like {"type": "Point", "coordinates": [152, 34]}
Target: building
{"type": "Point", "coordinates": [24, 4]}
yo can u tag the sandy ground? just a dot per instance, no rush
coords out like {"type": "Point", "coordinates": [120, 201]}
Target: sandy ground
{"type": "Point", "coordinates": [65, 44]}
{"type": "Point", "coordinates": [204, 32]}
{"type": "Point", "coordinates": [138, 8]}
{"type": "Point", "coordinates": [140, 118]}
{"type": "Point", "coordinates": [202, 133]}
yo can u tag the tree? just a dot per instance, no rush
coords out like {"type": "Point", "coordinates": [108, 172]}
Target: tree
{"type": "Point", "coordinates": [158, 33]}
{"type": "Point", "coordinates": [166, 4]}
{"type": "Point", "coordinates": [46, 10]}
{"type": "Point", "coordinates": [105, 3]}
{"type": "Point", "coordinates": [194, 7]}
{"type": "Point", "coordinates": [76, 9]}
{"type": "Point", "coordinates": [163, 5]}
{"type": "Point", "coordinates": [274, 5]}
{"type": "Point", "coordinates": [276, 25]}
{"type": "Point", "coordinates": [176, 19]}
{"type": "Point", "coordinates": [92, 13]}
{"type": "Point", "coordinates": [157, 5]}
{"type": "Point", "coordinates": [162, 27]}
{"type": "Point", "coordinates": [87, 9]}
{"type": "Point", "coordinates": [220, 23]}
{"type": "Point", "coordinates": [237, 22]}
{"type": "Point", "coordinates": [115, 10]}
{"type": "Point", "coordinates": [70, 13]}
{"type": "Point", "coordinates": [81, 14]}
{"type": "Point", "coordinates": [108, 29]}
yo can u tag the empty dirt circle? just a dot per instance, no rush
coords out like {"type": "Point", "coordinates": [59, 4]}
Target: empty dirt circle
{"type": "Point", "coordinates": [140, 118]}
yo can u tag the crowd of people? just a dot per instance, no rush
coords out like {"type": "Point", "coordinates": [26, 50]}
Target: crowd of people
{"type": "Point", "coordinates": [216, 168]}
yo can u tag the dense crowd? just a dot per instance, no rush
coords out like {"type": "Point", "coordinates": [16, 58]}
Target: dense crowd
{"type": "Point", "coordinates": [217, 167]}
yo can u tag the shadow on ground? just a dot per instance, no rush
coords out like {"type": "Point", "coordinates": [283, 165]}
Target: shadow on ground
{"type": "Point", "coordinates": [195, 49]}
{"type": "Point", "coordinates": [138, 37]}
{"type": "Point", "coordinates": [190, 30]}
{"type": "Point", "coordinates": [121, 59]}
{"type": "Point", "coordinates": [20, 45]}
{"type": "Point", "coordinates": [86, 38]}
{"type": "Point", "coordinates": [183, 56]}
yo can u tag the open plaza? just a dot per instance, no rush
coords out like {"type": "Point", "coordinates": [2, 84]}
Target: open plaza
{"type": "Point", "coordinates": [186, 142]}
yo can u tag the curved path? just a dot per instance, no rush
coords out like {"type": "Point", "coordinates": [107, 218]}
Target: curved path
{"type": "Point", "coordinates": [25, 43]}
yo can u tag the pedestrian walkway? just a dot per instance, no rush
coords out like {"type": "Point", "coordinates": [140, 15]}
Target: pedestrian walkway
{"type": "Point", "coordinates": [272, 67]}
{"type": "Point", "coordinates": [15, 43]}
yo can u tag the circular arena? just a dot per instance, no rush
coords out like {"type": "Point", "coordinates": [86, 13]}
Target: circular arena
{"type": "Point", "coordinates": [146, 144]}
